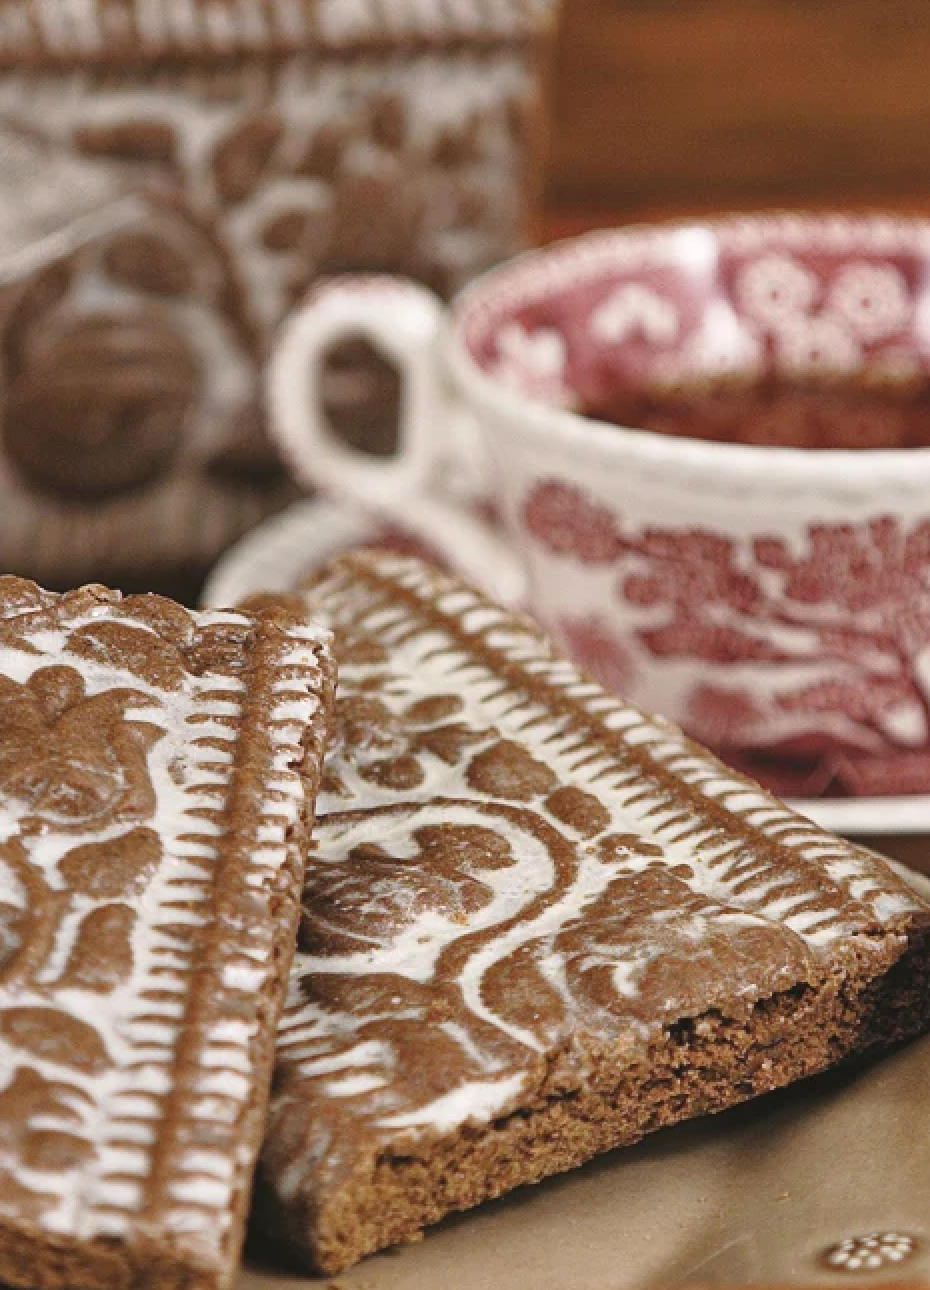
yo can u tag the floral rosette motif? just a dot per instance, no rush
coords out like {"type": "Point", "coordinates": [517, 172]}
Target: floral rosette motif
{"type": "Point", "coordinates": [661, 328]}
{"type": "Point", "coordinates": [110, 360]}
{"type": "Point", "coordinates": [774, 602]}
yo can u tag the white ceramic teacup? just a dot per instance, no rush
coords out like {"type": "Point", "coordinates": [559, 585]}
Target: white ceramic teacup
{"type": "Point", "coordinates": [773, 600]}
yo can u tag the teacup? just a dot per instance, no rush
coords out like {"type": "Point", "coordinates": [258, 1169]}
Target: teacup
{"type": "Point", "coordinates": [773, 600]}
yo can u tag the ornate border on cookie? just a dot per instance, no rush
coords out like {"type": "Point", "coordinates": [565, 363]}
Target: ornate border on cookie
{"type": "Point", "coordinates": [142, 1076]}
{"type": "Point", "coordinates": [46, 31]}
{"type": "Point", "coordinates": [445, 629]}
{"type": "Point", "coordinates": [515, 875]}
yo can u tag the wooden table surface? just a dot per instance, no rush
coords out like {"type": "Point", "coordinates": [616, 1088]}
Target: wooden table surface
{"type": "Point", "coordinates": [674, 101]}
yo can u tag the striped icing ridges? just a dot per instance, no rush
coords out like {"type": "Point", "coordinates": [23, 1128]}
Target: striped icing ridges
{"type": "Point", "coordinates": [214, 1067]}
{"type": "Point", "coordinates": [641, 761]}
{"type": "Point", "coordinates": [516, 876]}
{"type": "Point", "coordinates": [161, 1089]}
{"type": "Point", "coordinates": [130, 30]}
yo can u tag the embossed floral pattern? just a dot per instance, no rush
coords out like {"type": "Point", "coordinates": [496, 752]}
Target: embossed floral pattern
{"type": "Point", "coordinates": [131, 366]}
{"type": "Point", "coordinates": [559, 886]}
{"type": "Point", "coordinates": [71, 758]}
{"type": "Point", "coordinates": [120, 820]}
{"type": "Point", "coordinates": [837, 630]}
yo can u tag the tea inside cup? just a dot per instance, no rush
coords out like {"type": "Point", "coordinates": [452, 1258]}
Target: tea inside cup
{"type": "Point", "coordinates": [787, 345]}
{"type": "Point", "coordinates": [712, 448]}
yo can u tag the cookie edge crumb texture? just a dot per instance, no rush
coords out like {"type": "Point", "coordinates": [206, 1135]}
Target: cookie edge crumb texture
{"type": "Point", "coordinates": [875, 1000]}
{"type": "Point", "coordinates": [869, 992]}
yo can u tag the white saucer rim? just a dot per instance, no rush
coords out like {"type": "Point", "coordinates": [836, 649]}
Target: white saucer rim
{"type": "Point", "coordinates": [864, 816]}
{"type": "Point", "coordinates": [273, 556]}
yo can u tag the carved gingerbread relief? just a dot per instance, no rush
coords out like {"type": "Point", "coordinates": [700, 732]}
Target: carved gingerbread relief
{"type": "Point", "coordinates": [509, 864]}
{"type": "Point", "coordinates": [124, 362]}
{"type": "Point", "coordinates": [109, 31]}
{"type": "Point", "coordinates": [150, 778]}
{"type": "Point", "coordinates": [131, 363]}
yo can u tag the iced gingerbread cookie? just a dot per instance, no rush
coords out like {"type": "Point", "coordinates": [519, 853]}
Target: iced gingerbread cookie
{"type": "Point", "coordinates": [539, 924]}
{"type": "Point", "coordinates": [158, 770]}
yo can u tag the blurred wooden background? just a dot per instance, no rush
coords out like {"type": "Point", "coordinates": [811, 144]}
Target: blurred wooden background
{"type": "Point", "coordinates": [702, 103]}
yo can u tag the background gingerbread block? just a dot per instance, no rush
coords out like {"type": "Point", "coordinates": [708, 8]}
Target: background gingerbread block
{"type": "Point", "coordinates": [177, 175]}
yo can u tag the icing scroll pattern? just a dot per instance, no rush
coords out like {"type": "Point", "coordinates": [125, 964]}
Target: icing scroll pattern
{"type": "Point", "coordinates": [512, 868]}
{"type": "Point", "coordinates": [150, 799]}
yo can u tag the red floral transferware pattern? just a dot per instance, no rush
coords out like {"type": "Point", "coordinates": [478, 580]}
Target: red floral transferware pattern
{"type": "Point", "coordinates": [837, 631]}
{"type": "Point", "coordinates": [674, 314]}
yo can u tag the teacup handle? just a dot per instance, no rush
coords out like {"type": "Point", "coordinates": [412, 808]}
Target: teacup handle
{"type": "Point", "coordinates": [403, 321]}
{"type": "Point", "coordinates": [436, 436]}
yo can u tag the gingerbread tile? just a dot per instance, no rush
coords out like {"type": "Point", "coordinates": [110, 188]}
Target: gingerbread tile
{"type": "Point", "coordinates": [539, 924]}
{"type": "Point", "coordinates": [158, 770]}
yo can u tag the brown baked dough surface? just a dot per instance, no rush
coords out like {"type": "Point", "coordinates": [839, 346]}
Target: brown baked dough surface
{"type": "Point", "coordinates": [158, 771]}
{"type": "Point", "coordinates": [539, 924]}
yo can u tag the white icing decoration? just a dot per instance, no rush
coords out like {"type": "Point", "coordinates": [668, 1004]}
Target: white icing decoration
{"type": "Point", "coordinates": [118, 1109]}
{"type": "Point", "coordinates": [353, 1085]}
{"type": "Point", "coordinates": [155, 26]}
{"type": "Point", "coordinates": [479, 1101]}
{"type": "Point", "coordinates": [317, 1042]}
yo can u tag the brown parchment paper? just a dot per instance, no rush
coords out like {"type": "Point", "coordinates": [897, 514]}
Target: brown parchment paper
{"type": "Point", "coordinates": [755, 1196]}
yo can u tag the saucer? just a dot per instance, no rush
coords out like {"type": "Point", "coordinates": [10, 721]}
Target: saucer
{"type": "Point", "coordinates": [277, 554]}
{"type": "Point", "coordinates": [282, 551]}
{"type": "Point", "coordinates": [287, 548]}
{"type": "Point", "coordinates": [861, 816]}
